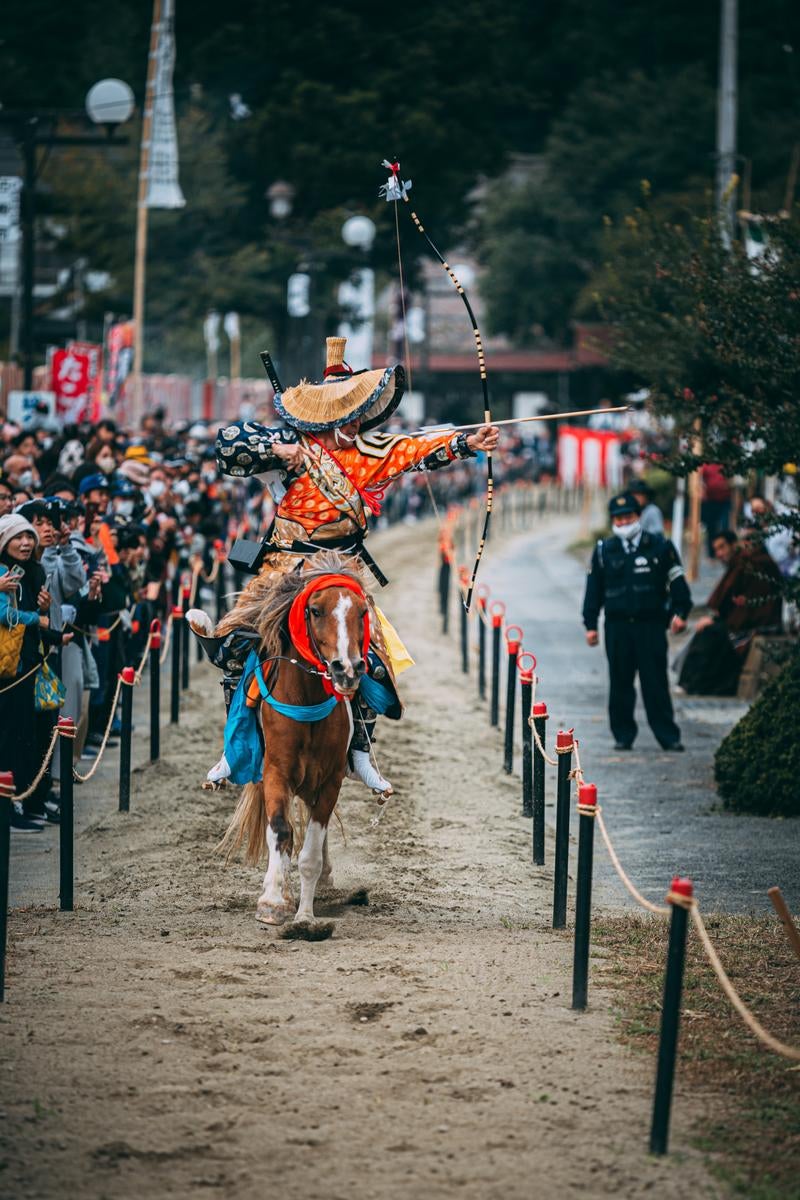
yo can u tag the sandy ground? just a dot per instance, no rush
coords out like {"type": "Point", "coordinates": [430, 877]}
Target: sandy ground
{"type": "Point", "coordinates": [158, 1042]}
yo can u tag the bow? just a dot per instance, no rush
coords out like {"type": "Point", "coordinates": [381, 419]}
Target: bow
{"type": "Point", "coordinates": [396, 189]}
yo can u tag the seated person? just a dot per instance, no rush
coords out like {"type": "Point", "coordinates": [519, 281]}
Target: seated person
{"type": "Point", "coordinates": [746, 600]}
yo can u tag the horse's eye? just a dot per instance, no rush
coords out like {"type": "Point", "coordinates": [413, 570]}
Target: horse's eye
{"type": "Point", "coordinates": [315, 612]}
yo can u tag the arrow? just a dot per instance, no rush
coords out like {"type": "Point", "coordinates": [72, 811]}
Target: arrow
{"type": "Point", "coordinates": [586, 412]}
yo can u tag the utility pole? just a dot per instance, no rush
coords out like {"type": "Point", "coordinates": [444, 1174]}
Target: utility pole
{"type": "Point", "coordinates": [28, 214]}
{"type": "Point", "coordinates": [141, 217]}
{"type": "Point", "coordinates": [726, 117]}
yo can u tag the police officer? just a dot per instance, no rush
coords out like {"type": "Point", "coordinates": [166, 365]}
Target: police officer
{"type": "Point", "coordinates": [638, 578]}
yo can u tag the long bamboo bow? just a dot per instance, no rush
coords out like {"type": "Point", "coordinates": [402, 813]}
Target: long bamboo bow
{"type": "Point", "coordinates": [396, 189]}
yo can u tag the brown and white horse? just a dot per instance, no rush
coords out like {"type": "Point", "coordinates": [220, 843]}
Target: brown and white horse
{"type": "Point", "coordinates": [314, 629]}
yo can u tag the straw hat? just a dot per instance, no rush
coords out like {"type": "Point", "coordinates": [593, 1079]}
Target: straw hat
{"type": "Point", "coordinates": [344, 395]}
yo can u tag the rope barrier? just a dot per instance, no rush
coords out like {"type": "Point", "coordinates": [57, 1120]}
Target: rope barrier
{"type": "Point", "coordinates": [211, 576]}
{"type": "Point", "coordinates": [196, 569]}
{"type": "Point", "coordinates": [612, 854]}
{"type": "Point", "coordinates": [752, 1023]}
{"type": "Point", "coordinates": [167, 636]}
{"type": "Point", "coordinates": [143, 659]}
{"type": "Point", "coordinates": [689, 903]}
{"type": "Point", "coordinates": [27, 675]}
{"type": "Point", "coordinates": [41, 773]}
{"type": "Point", "coordinates": [85, 778]}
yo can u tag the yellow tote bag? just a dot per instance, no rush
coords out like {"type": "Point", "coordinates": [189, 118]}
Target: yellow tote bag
{"type": "Point", "coordinates": [401, 659]}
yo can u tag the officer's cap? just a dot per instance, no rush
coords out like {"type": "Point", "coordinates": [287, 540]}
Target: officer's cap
{"type": "Point", "coordinates": [623, 503]}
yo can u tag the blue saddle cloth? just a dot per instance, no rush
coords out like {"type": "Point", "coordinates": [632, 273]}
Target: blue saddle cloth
{"type": "Point", "coordinates": [244, 747]}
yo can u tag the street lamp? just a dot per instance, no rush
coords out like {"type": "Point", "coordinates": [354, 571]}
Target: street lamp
{"type": "Point", "coordinates": [357, 294]}
{"type": "Point", "coordinates": [110, 103]}
{"type": "Point", "coordinates": [280, 196]}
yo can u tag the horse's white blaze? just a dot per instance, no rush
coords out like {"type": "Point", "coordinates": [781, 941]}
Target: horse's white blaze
{"type": "Point", "coordinates": [343, 606]}
{"type": "Point", "coordinates": [276, 880]}
{"type": "Point", "coordinates": [310, 865]}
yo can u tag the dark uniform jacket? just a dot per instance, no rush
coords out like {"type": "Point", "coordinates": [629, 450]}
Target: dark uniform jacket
{"type": "Point", "coordinates": [646, 583]}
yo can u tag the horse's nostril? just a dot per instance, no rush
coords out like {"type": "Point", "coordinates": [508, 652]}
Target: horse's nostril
{"type": "Point", "coordinates": [337, 664]}
{"type": "Point", "coordinates": [359, 666]}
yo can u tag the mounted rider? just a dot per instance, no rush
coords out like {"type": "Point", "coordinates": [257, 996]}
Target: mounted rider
{"type": "Point", "coordinates": [327, 468]}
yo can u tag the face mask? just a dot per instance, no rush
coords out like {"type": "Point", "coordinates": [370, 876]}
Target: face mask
{"type": "Point", "coordinates": [46, 443]}
{"type": "Point", "coordinates": [26, 479]}
{"type": "Point", "coordinates": [342, 439]}
{"type": "Point", "coordinates": [181, 488]}
{"type": "Point", "coordinates": [627, 532]}
{"type": "Point", "coordinates": [125, 508]}
{"type": "Point", "coordinates": [106, 465]}
{"type": "Point", "coordinates": [157, 488]}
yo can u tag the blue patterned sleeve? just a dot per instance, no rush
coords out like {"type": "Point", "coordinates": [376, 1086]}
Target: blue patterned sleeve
{"type": "Point", "coordinates": [244, 448]}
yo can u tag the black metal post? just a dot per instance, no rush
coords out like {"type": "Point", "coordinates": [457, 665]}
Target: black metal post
{"type": "Point", "coordinates": [6, 800]}
{"type": "Point", "coordinates": [512, 644]}
{"type": "Point", "coordinates": [464, 640]}
{"type": "Point", "coordinates": [537, 833]}
{"type": "Point", "coordinates": [177, 638]}
{"type": "Point", "coordinates": [444, 591]}
{"type": "Point", "coordinates": [526, 691]}
{"type": "Point", "coordinates": [587, 800]}
{"type": "Point", "coordinates": [560, 874]}
{"type": "Point", "coordinates": [222, 607]}
{"type": "Point", "coordinates": [670, 1017]}
{"type": "Point", "coordinates": [155, 691]}
{"type": "Point", "coordinates": [494, 703]}
{"type": "Point", "coordinates": [184, 632]}
{"type": "Point", "coordinates": [481, 648]}
{"type": "Point", "coordinates": [128, 676]}
{"type": "Point", "coordinates": [66, 830]}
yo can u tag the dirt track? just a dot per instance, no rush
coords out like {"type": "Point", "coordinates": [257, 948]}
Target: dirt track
{"type": "Point", "coordinates": [159, 1042]}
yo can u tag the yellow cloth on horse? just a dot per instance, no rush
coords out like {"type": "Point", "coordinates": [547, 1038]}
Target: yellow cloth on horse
{"type": "Point", "coordinates": [400, 658]}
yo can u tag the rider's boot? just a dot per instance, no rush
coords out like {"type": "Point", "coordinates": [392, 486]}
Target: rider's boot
{"type": "Point", "coordinates": [360, 755]}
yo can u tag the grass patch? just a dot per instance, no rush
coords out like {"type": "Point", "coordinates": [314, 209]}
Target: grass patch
{"type": "Point", "coordinates": [752, 1121]}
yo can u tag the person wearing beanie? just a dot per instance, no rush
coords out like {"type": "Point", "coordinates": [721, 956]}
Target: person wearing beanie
{"type": "Point", "coordinates": [24, 732]}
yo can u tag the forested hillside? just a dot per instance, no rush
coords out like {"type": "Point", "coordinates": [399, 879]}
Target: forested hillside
{"type": "Point", "coordinates": [597, 95]}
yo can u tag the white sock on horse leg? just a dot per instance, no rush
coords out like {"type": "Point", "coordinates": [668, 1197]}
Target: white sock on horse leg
{"type": "Point", "coordinates": [364, 770]}
{"type": "Point", "coordinates": [309, 864]}
{"type": "Point", "coordinates": [277, 889]}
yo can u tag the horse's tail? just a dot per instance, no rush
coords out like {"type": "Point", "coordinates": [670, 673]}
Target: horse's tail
{"type": "Point", "coordinates": [248, 826]}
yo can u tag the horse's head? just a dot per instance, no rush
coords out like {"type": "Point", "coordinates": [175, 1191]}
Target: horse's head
{"type": "Point", "coordinates": [336, 620]}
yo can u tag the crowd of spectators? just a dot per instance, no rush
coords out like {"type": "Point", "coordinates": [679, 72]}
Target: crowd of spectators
{"type": "Point", "coordinates": [98, 529]}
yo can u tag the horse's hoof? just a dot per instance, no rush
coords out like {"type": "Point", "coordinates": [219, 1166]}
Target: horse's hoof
{"type": "Point", "coordinates": [272, 914]}
{"type": "Point", "coordinates": [307, 931]}
{"type": "Point", "coordinates": [213, 785]}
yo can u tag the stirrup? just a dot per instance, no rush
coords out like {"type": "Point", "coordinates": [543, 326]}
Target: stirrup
{"type": "Point", "coordinates": [364, 770]}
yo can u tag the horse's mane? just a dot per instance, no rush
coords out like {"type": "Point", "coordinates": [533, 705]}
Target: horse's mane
{"type": "Point", "coordinates": [265, 603]}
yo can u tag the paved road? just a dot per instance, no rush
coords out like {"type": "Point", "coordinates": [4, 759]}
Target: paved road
{"type": "Point", "coordinates": [661, 809]}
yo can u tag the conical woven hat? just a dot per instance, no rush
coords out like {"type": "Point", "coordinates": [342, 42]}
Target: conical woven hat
{"type": "Point", "coordinates": [343, 395]}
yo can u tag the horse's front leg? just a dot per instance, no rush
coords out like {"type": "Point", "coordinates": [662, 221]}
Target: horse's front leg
{"type": "Point", "coordinates": [326, 875]}
{"type": "Point", "coordinates": [276, 902]}
{"type": "Point", "coordinates": [314, 855]}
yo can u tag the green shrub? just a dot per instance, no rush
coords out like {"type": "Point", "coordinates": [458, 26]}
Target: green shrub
{"type": "Point", "coordinates": [757, 766]}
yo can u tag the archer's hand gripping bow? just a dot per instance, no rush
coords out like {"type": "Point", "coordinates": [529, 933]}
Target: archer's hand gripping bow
{"type": "Point", "coordinates": [396, 189]}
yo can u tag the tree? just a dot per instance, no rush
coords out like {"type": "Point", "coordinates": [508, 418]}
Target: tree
{"type": "Point", "coordinates": [714, 335]}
